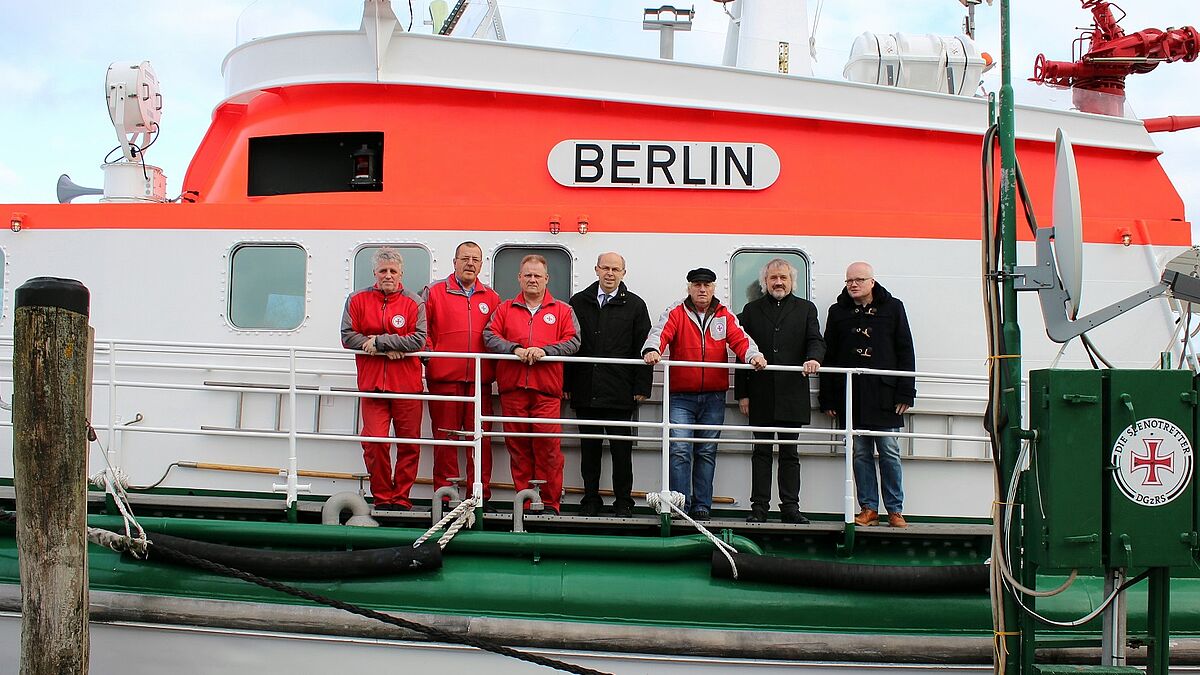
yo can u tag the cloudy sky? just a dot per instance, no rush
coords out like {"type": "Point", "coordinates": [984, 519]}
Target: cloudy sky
{"type": "Point", "coordinates": [53, 58]}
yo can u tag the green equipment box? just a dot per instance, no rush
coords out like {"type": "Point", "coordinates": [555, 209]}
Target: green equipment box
{"type": "Point", "coordinates": [1111, 480]}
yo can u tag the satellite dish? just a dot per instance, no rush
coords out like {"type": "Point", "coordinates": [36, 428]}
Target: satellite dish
{"type": "Point", "coordinates": [1067, 221]}
{"type": "Point", "coordinates": [1058, 275]}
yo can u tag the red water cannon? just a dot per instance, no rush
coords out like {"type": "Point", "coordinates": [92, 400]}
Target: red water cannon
{"type": "Point", "coordinates": [1097, 76]}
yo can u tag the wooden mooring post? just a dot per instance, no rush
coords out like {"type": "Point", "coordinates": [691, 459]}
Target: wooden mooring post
{"type": "Point", "coordinates": [51, 382]}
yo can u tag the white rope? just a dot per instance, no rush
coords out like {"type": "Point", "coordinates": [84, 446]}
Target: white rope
{"type": "Point", "coordinates": [117, 542]}
{"type": "Point", "coordinates": [675, 501]}
{"type": "Point", "coordinates": [459, 517]}
{"type": "Point", "coordinates": [114, 481]}
{"type": "Point", "coordinates": [812, 35]}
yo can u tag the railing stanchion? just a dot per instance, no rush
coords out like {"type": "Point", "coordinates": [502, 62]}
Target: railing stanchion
{"type": "Point", "coordinates": [664, 511]}
{"type": "Point", "coordinates": [477, 448]}
{"type": "Point", "coordinates": [113, 434]}
{"type": "Point", "coordinates": [848, 499]}
{"type": "Point", "coordinates": [292, 487]}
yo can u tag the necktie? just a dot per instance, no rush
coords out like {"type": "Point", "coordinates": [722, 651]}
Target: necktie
{"type": "Point", "coordinates": [604, 300]}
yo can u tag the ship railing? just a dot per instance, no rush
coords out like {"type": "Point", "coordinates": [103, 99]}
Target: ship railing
{"type": "Point", "coordinates": [210, 357]}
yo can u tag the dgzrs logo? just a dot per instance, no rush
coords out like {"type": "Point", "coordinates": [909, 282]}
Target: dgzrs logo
{"type": "Point", "coordinates": [1153, 460]}
{"type": "Point", "coordinates": [549, 319]}
{"type": "Point", "coordinates": [398, 321]}
{"type": "Point", "coordinates": [483, 308]}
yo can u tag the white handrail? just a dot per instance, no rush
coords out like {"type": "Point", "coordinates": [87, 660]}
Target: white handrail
{"type": "Point", "coordinates": [292, 488]}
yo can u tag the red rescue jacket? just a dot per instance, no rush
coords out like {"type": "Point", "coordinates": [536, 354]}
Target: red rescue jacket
{"type": "Point", "coordinates": [552, 327]}
{"type": "Point", "coordinates": [700, 338]}
{"type": "Point", "coordinates": [456, 325]}
{"type": "Point", "coordinates": [398, 319]}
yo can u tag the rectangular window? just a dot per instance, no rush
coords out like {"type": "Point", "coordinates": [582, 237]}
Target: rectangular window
{"type": "Point", "coordinates": [416, 266]}
{"type": "Point", "coordinates": [344, 162]}
{"type": "Point", "coordinates": [745, 270]}
{"type": "Point", "coordinates": [267, 286]}
{"type": "Point", "coordinates": [506, 264]}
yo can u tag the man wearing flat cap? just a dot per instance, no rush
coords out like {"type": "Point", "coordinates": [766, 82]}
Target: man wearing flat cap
{"type": "Point", "coordinates": [698, 328]}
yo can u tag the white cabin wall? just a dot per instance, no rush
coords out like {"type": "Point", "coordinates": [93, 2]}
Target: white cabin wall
{"type": "Point", "coordinates": [179, 295]}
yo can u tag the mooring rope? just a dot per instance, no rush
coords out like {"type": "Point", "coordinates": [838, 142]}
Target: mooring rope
{"type": "Point", "coordinates": [675, 501]}
{"type": "Point", "coordinates": [114, 481]}
{"type": "Point", "coordinates": [116, 541]}
{"type": "Point", "coordinates": [461, 516]}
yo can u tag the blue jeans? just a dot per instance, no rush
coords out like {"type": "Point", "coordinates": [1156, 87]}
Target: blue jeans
{"type": "Point", "coordinates": [693, 464]}
{"type": "Point", "coordinates": [890, 474]}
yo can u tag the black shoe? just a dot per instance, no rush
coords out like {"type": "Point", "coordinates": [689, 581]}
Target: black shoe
{"type": "Point", "coordinates": [758, 514]}
{"type": "Point", "coordinates": [489, 508]}
{"type": "Point", "coordinates": [793, 516]}
{"type": "Point", "coordinates": [589, 508]}
{"type": "Point", "coordinates": [700, 514]}
{"type": "Point", "coordinates": [623, 511]}
{"type": "Point", "coordinates": [392, 507]}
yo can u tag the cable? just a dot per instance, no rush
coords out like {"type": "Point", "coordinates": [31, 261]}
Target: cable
{"type": "Point", "coordinates": [433, 633]}
{"type": "Point", "coordinates": [436, 634]}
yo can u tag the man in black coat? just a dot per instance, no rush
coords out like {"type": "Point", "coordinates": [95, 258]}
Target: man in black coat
{"type": "Point", "coordinates": [785, 328]}
{"type": "Point", "coordinates": [867, 328]}
{"type": "Point", "coordinates": [613, 322]}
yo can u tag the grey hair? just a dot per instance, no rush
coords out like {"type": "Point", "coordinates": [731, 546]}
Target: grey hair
{"type": "Point", "coordinates": [386, 254]}
{"type": "Point", "coordinates": [772, 263]}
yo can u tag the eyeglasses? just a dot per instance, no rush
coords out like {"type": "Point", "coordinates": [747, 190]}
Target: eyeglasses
{"type": "Point", "coordinates": [857, 281]}
{"type": "Point", "coordinates": [469, 259]}
{"type": "Point", "coordinates": [609, 269]}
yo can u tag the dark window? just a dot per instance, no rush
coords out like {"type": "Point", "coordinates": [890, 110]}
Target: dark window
{"type": "Point", "coordinates": [345, 162]}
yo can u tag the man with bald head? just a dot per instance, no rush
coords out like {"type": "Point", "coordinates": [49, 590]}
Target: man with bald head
{"type": "Point", "coordinates": [613, 323]}
{"type": "Point", "coordinates": [867, 328]}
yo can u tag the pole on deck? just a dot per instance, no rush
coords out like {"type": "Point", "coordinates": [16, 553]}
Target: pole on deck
{"type": "Point", "coordinates": [51, 359]}
{"type": "Point", "coordinates": [1016, 627]}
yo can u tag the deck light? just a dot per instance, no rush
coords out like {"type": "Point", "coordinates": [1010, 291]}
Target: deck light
{"type": "Point", "coordinates": [364, 167]}
{"type": "Point", "coordinates": [583, 224]}
{"type": "Point", "coordinates": [555, 227]}
{"type": "Point", "coordinates": [18, 219]}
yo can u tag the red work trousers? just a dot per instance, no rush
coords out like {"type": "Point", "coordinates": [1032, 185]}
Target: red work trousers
{"type": "Point", "coordinates": [534, 458]}
{"type": "Point", "coordinates": [391, 485]}
{"type": "Point", "coordinates": [447, 417]}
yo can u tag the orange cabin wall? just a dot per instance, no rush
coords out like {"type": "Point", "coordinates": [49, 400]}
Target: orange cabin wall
{"type": "Point", "coordinates": [471, 160]}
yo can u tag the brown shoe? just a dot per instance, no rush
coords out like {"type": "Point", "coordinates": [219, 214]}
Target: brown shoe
{"type": "Point", "coordinates": [897, 520]}
{"type": "Point", "coordinates": [867, 518]}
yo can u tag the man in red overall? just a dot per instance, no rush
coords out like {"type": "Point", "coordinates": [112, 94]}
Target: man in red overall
{"type": "Point", "coordinates": [533, 325]}
{"type": "Point", "coordinates": [457, 308]}
{"type": "Point", "coordinates": [386, 321]}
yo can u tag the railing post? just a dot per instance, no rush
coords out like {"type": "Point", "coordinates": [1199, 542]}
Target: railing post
{"type": "Point", "coordinates": [292, 487]}
{"type": "Point", "coordinates": [112, 405]}
{"type": "Point", "coordinates": [664, 511]}
{"type": "Point", "coordinates": [477, 439]}
{"type": "Point", "coordinates": [849, 502]}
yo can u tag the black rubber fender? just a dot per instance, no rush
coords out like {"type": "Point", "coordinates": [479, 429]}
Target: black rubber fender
{"type": "Point", "coordinates": [290, 564]}
{"type": "Point", "coordinates": [852, 576]}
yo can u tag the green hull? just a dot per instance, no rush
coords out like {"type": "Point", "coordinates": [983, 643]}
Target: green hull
{"type": "Point", "coordinates": [661, 585]}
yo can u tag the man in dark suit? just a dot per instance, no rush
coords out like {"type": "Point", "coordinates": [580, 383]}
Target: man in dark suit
{"type": "Point", "coordinates": [613, 323]}
{"type": "Point", "coordinates": [785, 328]}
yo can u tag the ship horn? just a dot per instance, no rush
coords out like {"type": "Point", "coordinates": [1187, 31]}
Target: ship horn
{"type": "Point", "coordinates": [68, 190]}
